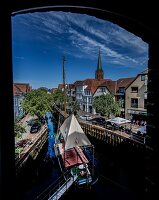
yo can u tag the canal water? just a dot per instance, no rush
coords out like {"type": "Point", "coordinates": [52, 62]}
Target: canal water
{"type": "Point", "coordinates": [120, 172]}
{"type": "Point", "coordinates": [38, 174]}
{"type": "Point", "coordinates": [51, 135]}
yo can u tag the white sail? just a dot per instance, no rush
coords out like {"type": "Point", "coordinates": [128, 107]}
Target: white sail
{"type": "Point", "coordinates": [73, 133]}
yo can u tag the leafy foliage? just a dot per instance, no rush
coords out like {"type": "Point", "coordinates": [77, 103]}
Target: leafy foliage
{"type": "Point", "coordinates": [106, 105]}
{"type": "Point", "coordinates": [58, 98]}
{"type": "Point", "coordinates": [37, 102]}
{"type": "Point", "coordinates": [73, 106]}
{"type": "Point", "coordinates": [18, 130]}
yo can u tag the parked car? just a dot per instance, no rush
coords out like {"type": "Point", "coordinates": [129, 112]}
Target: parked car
{"type": "Point", "coordinates": [35, 127]}
{"type": "Point", "coordinates": [86, 117]}
{"type": "Point", "coordinates": [99, 121]}
{"type": "Point", "coordinates": [31, 122]}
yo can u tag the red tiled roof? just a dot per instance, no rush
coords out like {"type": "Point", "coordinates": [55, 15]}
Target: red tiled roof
{"type": "Point", "coordinates": [92, 84]}
{"type": "Point", "coordinates": [70, 86]}
{"type": "Point", "coordinates": [60, 86]}
{"type": "Point", "coordinates": [110, 85]}
{"type": "Point", "coordinates": [78, 83]}
{"type": "Point", "coordinates": [21, 88]}
{"type": "Point", "coordinates": [16, 91]}
{"type": "Point", "coordinates": [124, 82]}
{"type": "Point", "coordinates": [113, 86]}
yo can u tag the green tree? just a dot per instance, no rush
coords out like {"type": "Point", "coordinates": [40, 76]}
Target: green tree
{"type": "Point", "coordinates": [58, 98]}
{"type": "Point", "coordinates": [121, 102]}
{"type": "Point", "coordinates": [73, 106]}
{"type": "Point", "coordinates": [37, 102]}
{"type": "Point", "coordinates": [18, 129]}
{"type": "Point", "coordinates": [106, 106]}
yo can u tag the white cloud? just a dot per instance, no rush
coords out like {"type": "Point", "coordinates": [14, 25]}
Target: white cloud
{"type": "Point", "coordinates": [90, 46]}
{"type": "Point", "coordinates": [126, 39]}
{"type": "Point", "coordinates": [86, 34]}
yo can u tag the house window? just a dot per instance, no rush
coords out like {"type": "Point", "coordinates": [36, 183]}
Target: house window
{"type": "Point", "coordinates": [134, 103]}
{"type": "Point", "coordinates": [89, 100]}
{"type": "Point", "coordinates": [79, 89]}
{"type": "Point", "coordinates": [145, 103]}
{"type": "Point", "coordinates": [102, 89]}
{"type": "Point", "coordinates": [87, 92]}
{"type": "Point", "coordinates": [121, 90]}
{"type": "Point", "coordinates": [16, 102]}
{"type": "Point", "coordinates": [79, 96]}
{"type": "Point", "coordinates": [142, 77]}
{"type": "Point", "coordinates": [134, 89]}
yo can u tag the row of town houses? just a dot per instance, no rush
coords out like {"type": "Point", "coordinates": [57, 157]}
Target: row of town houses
{"type": "Point", "coordinates": [132, 90]}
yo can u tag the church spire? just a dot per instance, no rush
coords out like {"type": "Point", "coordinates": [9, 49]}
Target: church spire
{"type": "Point", "coordinates": [99, 64]}
{"type": "Point", "coordinates": [99, 75]}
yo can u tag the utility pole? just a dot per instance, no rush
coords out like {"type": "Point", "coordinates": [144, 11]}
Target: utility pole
{"type": "Point", "coordinates": [64, 83]}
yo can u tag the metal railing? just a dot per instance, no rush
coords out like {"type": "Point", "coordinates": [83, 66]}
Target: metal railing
{"type": "Point", "coordinates": [54, 187]}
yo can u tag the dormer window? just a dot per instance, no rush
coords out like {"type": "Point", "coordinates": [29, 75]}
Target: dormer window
{"type": "Point", "coordinates": [121, 90]}
{"type": "Point", "coordinates": [102, 89]}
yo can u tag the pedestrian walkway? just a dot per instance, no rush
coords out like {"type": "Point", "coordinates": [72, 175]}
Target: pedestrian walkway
{"type": "Point", "coordinates": [24, 122]}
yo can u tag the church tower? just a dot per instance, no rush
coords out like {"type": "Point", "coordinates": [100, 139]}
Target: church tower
{"type": "Point", "coordinates": [99, 75]}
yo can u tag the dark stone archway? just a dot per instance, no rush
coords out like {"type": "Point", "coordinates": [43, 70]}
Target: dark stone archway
{"type": "Point", "coordinates": [142, 21]}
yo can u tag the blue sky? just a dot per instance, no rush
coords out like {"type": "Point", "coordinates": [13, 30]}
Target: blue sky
{"type": "Point", "coordinates": [39, 41]}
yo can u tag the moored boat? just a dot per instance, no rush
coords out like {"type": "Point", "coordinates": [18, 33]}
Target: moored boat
{"type": "Point", "coordinates": [72, 149]}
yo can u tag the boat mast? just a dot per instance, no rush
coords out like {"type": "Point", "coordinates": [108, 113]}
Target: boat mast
{"type": "Point", "coordinates": [64, 83]}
